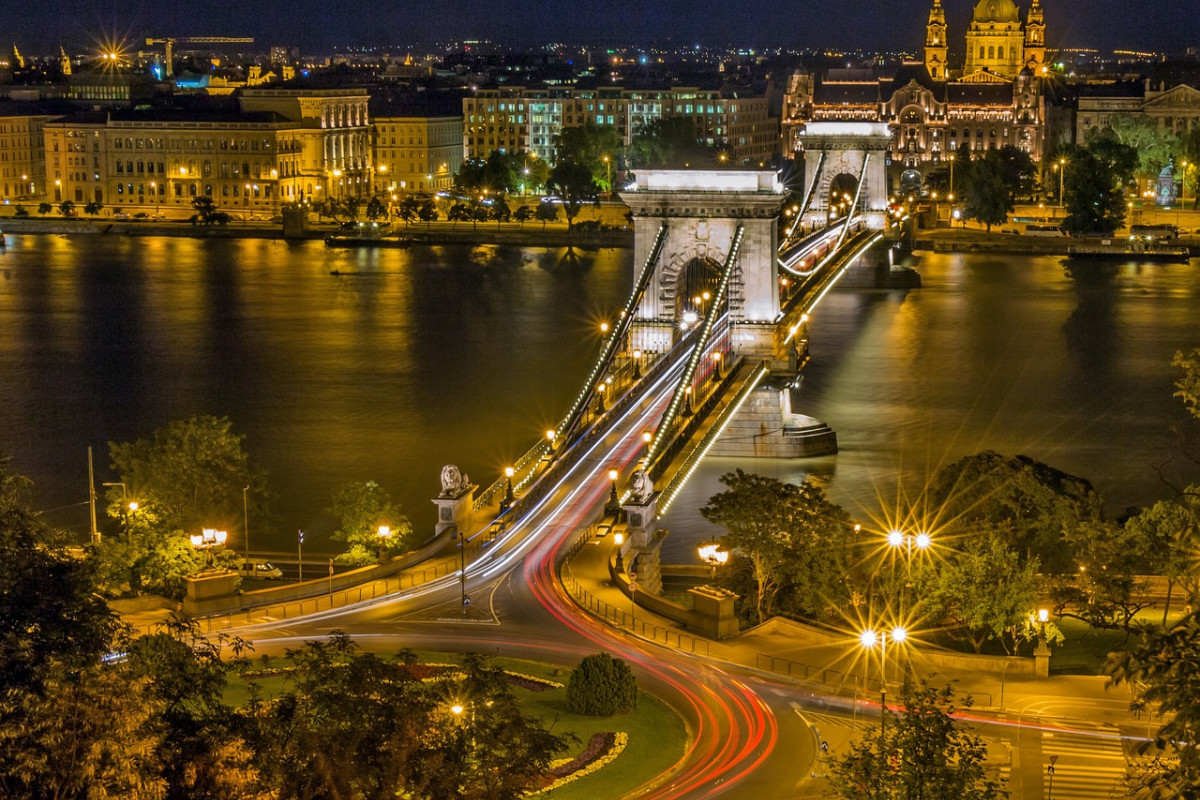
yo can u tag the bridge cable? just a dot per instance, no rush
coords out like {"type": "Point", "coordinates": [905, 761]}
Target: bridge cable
{"type": "Point", "coordinates": [714, 311]}
{"type": "Point", "coordinates": [620, 329]}
{"type": "Point", "coordinates": [812, 192]}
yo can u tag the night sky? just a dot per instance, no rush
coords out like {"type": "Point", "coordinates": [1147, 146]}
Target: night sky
{"type": "Point", "coordinates": [318, 25]}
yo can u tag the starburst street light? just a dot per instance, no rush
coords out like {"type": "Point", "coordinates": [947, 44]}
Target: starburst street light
{"type": "Point", "coordinates": [714, 555]}
{"type": "Point", "coordinates": [868, 639]}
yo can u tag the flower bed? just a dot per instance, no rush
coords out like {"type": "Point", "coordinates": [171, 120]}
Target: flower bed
{"type": "Point", "coordinates": [602, 749]}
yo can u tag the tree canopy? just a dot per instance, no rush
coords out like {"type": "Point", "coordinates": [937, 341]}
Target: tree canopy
{"type": "Point", "coordinates": [795, 542]}
{"type": "Point", "coordinates": [363, 508]}
{"type": "Point", "coordinates": [921, 754]}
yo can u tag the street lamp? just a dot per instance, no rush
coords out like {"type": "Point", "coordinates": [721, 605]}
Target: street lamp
{"type": "Point", "coordinates": [618, 540]}
{"type": "Point", "coordinates": [613, 506]}
{"type": "Point", "coordinates": [637, 365]}
{"type": "Point", "coordinates": [385, 536]}
{"type": "Point", "coordinates": [712, 554]}
{"type": "Point", "coordinates": [951, 157]}
{"type": "Point", "coordinates": [207, 541]}
{"type": "Point", "coordinates": [716, 357]}
{"type": "Point", "coordinates": [608, 174]}
{"type": "Point", "coordinates": [1061, 167]}
{"type": "Point", "coordinates": [868, 639]}
{"type": "Point", "coordinates": [507, 501]}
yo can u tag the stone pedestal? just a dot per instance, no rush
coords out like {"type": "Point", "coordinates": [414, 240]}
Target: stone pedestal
{"type": "Point", "coordinates": [454, 511]}
{"type": "Point", "coordinates": [643, 542]}
{"type": "Point", "coordinates": [1041, 660]}
{"type": "Point", "coordinates": [295, 221]}
{"type": "Point", "coordinates": [642, 519]}
{"type": "Point", "coordinates": [211, 591]}
{"type": "Point", "coordinates": [714, 611]}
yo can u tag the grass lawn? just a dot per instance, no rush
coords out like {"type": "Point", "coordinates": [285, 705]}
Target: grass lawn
{"type": "Point", "coordinates": [657, 735]}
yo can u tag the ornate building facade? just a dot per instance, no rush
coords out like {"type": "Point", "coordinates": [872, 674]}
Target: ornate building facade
{"type": "Point", "coordinates": [933, 109]}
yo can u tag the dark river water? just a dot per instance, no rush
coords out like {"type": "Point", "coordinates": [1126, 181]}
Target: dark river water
{"type": "Point", "coordinates": [413, 359]}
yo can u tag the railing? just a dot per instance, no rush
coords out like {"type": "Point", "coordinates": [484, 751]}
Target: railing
{"type": "Point", "coordinates": [567, 427]}
{"type": "Point", "coordinates": [626, 620]}
{"type": "Point", "coordinates": [812, 192]}
{"type": "Point", "coordinates": [684, 426]}
{"type": "Point", "coordinates": [710, 437]}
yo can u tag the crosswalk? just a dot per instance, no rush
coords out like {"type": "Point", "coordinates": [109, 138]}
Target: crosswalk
{"type": "Point", "coordinates": [1082, 765]}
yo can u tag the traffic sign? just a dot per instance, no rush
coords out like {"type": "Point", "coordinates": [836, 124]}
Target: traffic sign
{"type": "Point", "coordinates": [466, 601]}
{"type": "Point", "coordinates": [632, 586]}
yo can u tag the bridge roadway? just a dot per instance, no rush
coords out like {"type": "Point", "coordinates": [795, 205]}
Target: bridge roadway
{"type": "Point", "coordinates": [752, 734]}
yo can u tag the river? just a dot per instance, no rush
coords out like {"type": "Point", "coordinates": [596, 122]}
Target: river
{"type": "Point", "coordinates": [411, 359]}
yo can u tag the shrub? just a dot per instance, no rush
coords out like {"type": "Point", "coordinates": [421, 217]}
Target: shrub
{"type": "Point", "coordinates": [601, 686]}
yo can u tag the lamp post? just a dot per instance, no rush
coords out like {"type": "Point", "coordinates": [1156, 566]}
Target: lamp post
{"type": "Point", "coordinates": [127, 506]}
{"type": "Point", "coordinates": [608, 175]}
{"type": "Point", "coordinates": [246, 517]}
{"type": "Point", "coordinates": [1061, 166]}
{"type": "Point", "coordinates": [951, 157]}
{"type": "Point", "coordinates": [385, 536]}
{"type": "Point", "coordinates": [868, 639]}
{"type": "Point", "coordinates": [300, 554]}
{"type": "Point", "coordinates": [613, 506]}
{"type": "Point", "coordinates": [712, 554]}
{"type": "Point", "coordinates": [618, 540]}
{"type": "Point", "coordinates": [716, 373]}
{"type": "Point", "coordinates": [637, 365]}
{"type": "Point", "coordinates": [507, 501]}
{"type": "Point", "coordinates": [897, 540]}
{"type": "Point", "coordinates": [207, 541]}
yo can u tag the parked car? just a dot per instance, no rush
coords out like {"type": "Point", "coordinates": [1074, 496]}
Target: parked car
{"type": "Point", "coordinates": [264, 570]}
{"type": "Point", "coordinates": [120, 215]}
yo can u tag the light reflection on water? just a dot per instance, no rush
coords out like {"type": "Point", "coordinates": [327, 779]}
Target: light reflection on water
{"type": "Point", "coordinates": [406, 361]}
{"type": "Point", "coordinates": [1016, 355]}
{"type": "Point", "coordinates": [412, 359]}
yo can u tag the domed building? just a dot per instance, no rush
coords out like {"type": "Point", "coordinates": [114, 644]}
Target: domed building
{"type": "Point", "coordinates": [998, 42]}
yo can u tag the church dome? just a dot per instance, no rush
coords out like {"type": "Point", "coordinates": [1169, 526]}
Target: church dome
{"type": "Point", "coordinates": [996, 11]}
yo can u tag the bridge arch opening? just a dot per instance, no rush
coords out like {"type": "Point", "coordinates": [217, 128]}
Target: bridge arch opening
{"type": "Point", "coordinates": [695, 287]}
{"type": "Point", "coordinates": [842, 191]}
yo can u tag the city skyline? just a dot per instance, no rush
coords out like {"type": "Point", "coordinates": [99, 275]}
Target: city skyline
{"type": "Point", "coordinates": [851, 24]}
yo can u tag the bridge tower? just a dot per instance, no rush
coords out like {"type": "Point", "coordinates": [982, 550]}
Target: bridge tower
{"type": "Point", "coordinates": [705, 212]}
{"type": "Point", "coordinates": [835, 155]}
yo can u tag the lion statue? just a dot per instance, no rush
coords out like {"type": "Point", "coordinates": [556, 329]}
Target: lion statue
{"type": "Point", "coordinates": [453, 482]}
{"type": "Point", "coordinates": [642, 486]}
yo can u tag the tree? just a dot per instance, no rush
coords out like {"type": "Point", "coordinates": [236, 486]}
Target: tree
{"type": "Point", "coordinates": [207, 212]}
{"type": "Point", "coordinates": [1163, 673]}
{"type": "Point", "coordinates": [93, 208]}
{"type": "Point", "coordinates": [66, 208]}
{"type": "Point", "coordinates": [352, 206]}
{"type": "Point", "coordinates": [792, 537]}
{"type": "Point", "coordinates": [409, 209]}
{"type": "Point", "coordinates": [376, 209]}
{"type": "Point", "coordinates": [363, 507]}
{"type": "Point", "coordinates": [428, 211]}
{"type": "Point", "coordinates": [923, 755]}
{"type": "Point", "coordinates": [1040, 502]}
{"type": "Point", "coordinates": [523, 214]}
{"type": "Point", "coordinates": [44, 208]}
{"type": "Point", "coordinates": [1151, 143]}
{"type": "Point", "coordinates": [986, 589]}
{"type": "Point", "coordinates": [986, 189]}
{"type": "Point", "coordinates": [356, 725]}
{"type": "Point", "coordinates": [1092, 195]}
{"type": "Point", "coordinates": [49, 610]}
{"type": "Point", "coordinates": [601, 686]}
{"type": "Point", "coordinates": [20, 211]}
{"type": "Point", "coordinates": [668, 142]}
{"type": "Point", "coordinates": [587, 145]}
{"type": "Point", "coordinates": [572, 183]}
{"type": "Point", "coordinates": [501, 212]}
{"type": "Point", "coordinates": [88, 733]}
{"type": "Point", "coordinates": [547, 211]}
{"type": "Point", "coordinates": [191, 474]}
{"type": "Point", "coordinates": [1169, 534]}
{"type": "Point", "coordinates": [1187, 157]}
{"type": "Point", "coordinates": [1105, 591]}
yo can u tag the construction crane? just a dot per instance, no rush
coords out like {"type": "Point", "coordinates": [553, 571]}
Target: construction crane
{"type": "Point", "coordinates": [170, 42]}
